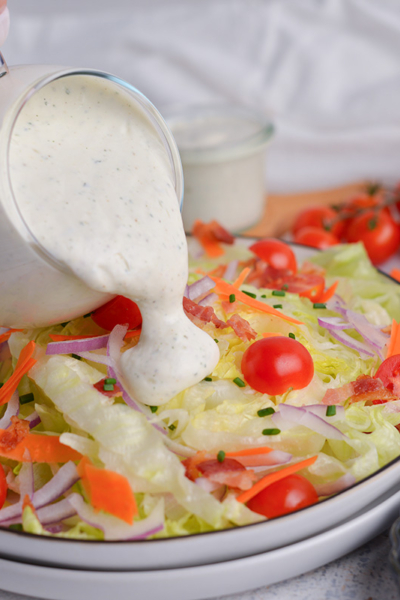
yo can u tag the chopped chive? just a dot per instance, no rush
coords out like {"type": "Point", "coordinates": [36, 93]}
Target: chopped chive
{"type": "Point", "coordinates": [172, 427]}
{"type": "Point", "coordinates": [263, 295]}
{"type": "Point", "coordinates": [271, 431]}
{"type": "Point", "coordinates": [232, 298]}
{"type": "Point", "coordinates": [108, 387]}
{"type": "Point", "coordinates": [239, 382]}
{"type": "Point", "coordinates": [207, 379]}
{"type": "Point", "coordinates": [331, 411]}
{"type": "Point", "coordinates": [87, 315]}
{"type": "Point", "coordinates": [285, 286]}
{"type": "Point", "coordinates": [264, 412]}
{"type": "Point", "coordinates": [16, 527]}
{"type": "Point", "coordinates": [26, 398]}
{"type": "Point", "coordinates": [1, 385]}
{"type": "Point", "coordinates": [291, 335]}
{"type": "Point", "coordinates": [319, 305]}
{"type": "Point", "coordinates": [221, 456]}
{"type": "Point", "coordinates": [249, 294]}
{"type": "Point", "coordinates": [110, 380]}
{"type": "Point", "coordinates": [153, 409]}
{"type": "Point", "coordinates": [215, 340]}
{"type": "Point", "coordinates": [76, 356]}
{"type": "Point", "coordinates": [277, 305]}
{"type": "Point", "coordinates": [278, 293]}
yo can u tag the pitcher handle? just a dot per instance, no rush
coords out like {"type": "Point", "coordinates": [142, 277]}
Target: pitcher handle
{"type": "Point", "coordinates": [3, 66]}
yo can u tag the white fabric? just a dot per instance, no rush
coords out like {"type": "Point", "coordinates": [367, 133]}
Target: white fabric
{"type": "Point", "coordinates": [328, 71]}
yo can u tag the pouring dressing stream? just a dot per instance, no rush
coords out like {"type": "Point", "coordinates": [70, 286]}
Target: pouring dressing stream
{"type": "Point", "coordinates": [93, 182]}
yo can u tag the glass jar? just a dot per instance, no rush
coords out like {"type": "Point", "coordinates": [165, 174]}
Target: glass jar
{"type": "Point", "coordinates": [35, 288]}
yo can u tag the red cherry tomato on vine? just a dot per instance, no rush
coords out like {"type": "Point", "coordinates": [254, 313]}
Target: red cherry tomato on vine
{"type": "Point", "coordinates": [273, 365]}
{"type": "Point", "coordinates": [119, 311]}
{"type": "Point", "coordinates": [3, 487]}
{"type": "Point", "coordinates": [283, 497]}
{"type": "Point", "coordinates": [389, 371]}
{"type": "Point", "coordinates": [322, 217]}
{"type": "Point", "coordinates": [316, 238]}
{"type": "Point", "coordinates": [275, 253]}
{"type": "Point", "coordinates": [379, 233]}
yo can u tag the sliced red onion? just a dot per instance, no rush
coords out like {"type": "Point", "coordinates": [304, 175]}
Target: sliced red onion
{"type": "Point", "coordinates": [12, 410]}
{"type": "Point", "coordinates": [333, 323]}
{"type": "Point", "coordinates": [230, 271]}
{"type": "Point", "coordinates": [347, 340]}
{"type": "Point", "coordinates": [114, 345]}
{"type": "Point", "coordinates": [76, 346]}
{"type": "Point", "coordinates": [300, 416]}
{"type": "Point", "coordinates": [33, 419]}
{"type": "Point", "coordinates": [200, 287]}
{"type": "Point", "coordinates": [56, 487]}
{"type": "Point", "coordinates": [372, 335]}
{"type": "Point", "coordinates": [53, 513]}
{"type": "Point", "coordinates": [115, 529]}
{"type": "Point", "coordinates": [327, 489]}
{"type": "Point", "coordinates": [208, 300]}
{"type": "Point", "coordinates": [320, 411]}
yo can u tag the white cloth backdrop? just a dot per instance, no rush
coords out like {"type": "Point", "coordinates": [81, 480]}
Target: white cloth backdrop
{"type": "Point", "coordinates": [328, 71]}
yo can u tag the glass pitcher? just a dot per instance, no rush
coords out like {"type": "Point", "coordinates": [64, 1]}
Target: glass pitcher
{"type": "Point", "coordinates": [35, 288]}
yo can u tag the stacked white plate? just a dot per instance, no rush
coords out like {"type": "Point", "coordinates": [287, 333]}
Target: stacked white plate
{"type": "Point", "coordinates": [203, 565]}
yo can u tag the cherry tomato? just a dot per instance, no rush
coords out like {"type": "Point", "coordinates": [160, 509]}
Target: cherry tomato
{"type": "Point", "coordinates": [379, 233]}
{"type": "Point", "coordinates": [351, 209]}
{"type": "Point", "coordinates": [275, 253]}
{"type": "Point", "coordinates": [388, 371]}
{"type": "Point", "coordinates": [322, 217]}
{"type": "Point", "coordinates": [119, 311]}
{"type": "Point", "coordinates": [273, 365]}
{"type": "Point", "coordinates": [284, 496]}
{"type": "Point", "coordinates": [3, 487]}
{"type": "Point", "coordinates": [315, 237]}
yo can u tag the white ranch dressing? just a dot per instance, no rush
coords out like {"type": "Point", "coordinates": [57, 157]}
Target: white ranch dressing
{"type": "Point", "coordinates": [94, 184]}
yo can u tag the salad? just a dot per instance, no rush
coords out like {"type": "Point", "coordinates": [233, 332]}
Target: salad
{"type": "Point", "coordinates": [304, 402]}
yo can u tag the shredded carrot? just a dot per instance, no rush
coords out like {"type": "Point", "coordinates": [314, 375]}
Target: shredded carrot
{"type": "Point", "coordinates": [24, 364]}
{"type": "Point", "coordinates": [272, 477]}
{"type": "Point", "coordinates": [394, 342]}
{"type": "Point", "coordinates": [222, 287]}
{"type": "Point", "coordinates": [242, 277]}
{"type": "Point", "coordinates": [108, 491]}
{"type": "Point", "coordinates": [40, 448]}
{"type": "Point", "coordinates": [327, 295]}
{"type": "Point", "coordinates": [56, 337]}
{"type": "Point", "coordinates": [132, 334]}
{"type": "Point", "coordinates": [395, 273]}
{"type": "Point", "coordinates": [250, 452]}
{"type": "Point", "coordinates": [28, 503]}
{"type": "Point", "coordinates": [211, 246]}
{"type": "Point", "coordinates": [5, 336]}
{"type": "Point", "coordinates": [269, 334]}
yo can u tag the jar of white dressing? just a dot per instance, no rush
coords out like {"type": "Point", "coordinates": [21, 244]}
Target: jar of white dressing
{"type": "Point", "coordinates": [223, 153]}
{"type": "Point", "coordinates": [68, 139]}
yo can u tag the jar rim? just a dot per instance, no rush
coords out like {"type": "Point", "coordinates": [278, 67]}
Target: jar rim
{"type": "Point", "coordinates": [194, 116]}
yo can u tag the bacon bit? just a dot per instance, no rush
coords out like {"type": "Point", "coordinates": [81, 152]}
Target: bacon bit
{"type": "Point", "coordinates": [370, 390]}
{"type": "Point", "coordinates": [338, 395]}
{"type": "Point", "coordinates": [191, 463]}
{"type": "Point", "coordinates": [242, 328]}
{"type": "Point", "coordinates": [220, 233]}
{"type": "Point", "coordinates": [99, 386]}
{"type": "Point", "coordinates": [228, 472]}
{"type": "Point", "coordinates": [308, 268]}
{"type": "Point", "coordinates": [204, 313]}
{"type": "Point", "coordinates": [387, 329]}
{"type": "Point", "coordinates": [229, 307]}
{"type": "Point", "coordinates": [14, 435]}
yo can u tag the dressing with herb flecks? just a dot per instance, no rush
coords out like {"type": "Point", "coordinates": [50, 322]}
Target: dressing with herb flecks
{"type": "Point", "coordinates": [93, 182]}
